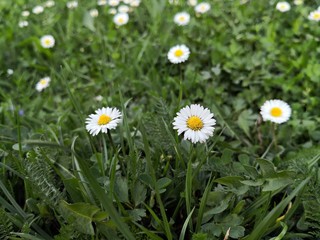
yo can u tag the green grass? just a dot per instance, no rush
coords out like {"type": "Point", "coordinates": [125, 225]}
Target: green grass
{"type": "Point", "coordinates": [141, 180]}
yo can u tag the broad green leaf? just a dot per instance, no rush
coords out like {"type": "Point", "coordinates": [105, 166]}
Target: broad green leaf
{"type": "Point", "coordinates": [121, 189]}
{"type": "Point", "coordinates": [276, 183]}
{"type": "Point", "coordinates": [139, 193]}
{"type": "Point", "coordinates": [137, 214]}
{"type": "Point", "coordinates": [163, 182]}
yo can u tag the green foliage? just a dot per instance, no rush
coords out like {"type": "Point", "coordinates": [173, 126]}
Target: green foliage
{"type": "Point", "coordinates": [5, 225]}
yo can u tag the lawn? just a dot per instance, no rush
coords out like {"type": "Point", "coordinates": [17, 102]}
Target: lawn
{"type": "Point", "coordinates": [155, 119]}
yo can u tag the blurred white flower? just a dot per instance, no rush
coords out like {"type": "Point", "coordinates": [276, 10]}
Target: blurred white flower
{"type": "Point", "coordinates": [49, 4]}
{"type": "Point", "coordinates": [243, 1]}
{"type": "Point", "coordinates": [121, 19]}
{"type": "Point", "coordinates": [102, 2]}
{"type": "Point", "coordinates": [283, 6]}
{"type": "Point", "coordinates": [47, 41]}
{"type": "Point", "coordinates": [43, 83]}
{"type": "Point", "coordinates": [94, 13]}
{"type": "Point", "coordinates": [25, 13]}
{"type": "Point", "coordinates": [298, 2]}
{"type": "Point", "coordinates": [98, 98]}
{"type": "Point", "coordinates": [112, 11]}
{"type": "Point", "coordinates": [314, 16]}
{"type": "Point", "coordinates": [178, 54]}
{"type": "Point", "coordinates": [23, 24]}
{"type": "Point", "coordinates": [9, 71]}
{"type": "Point", "coordinates": [202, 7]}
{"type": "Point", "coordinates": [135, 3]}
{"type": "Point", "coordinates": [276, 111]}
{"type": "Point", "coordinates": [182, 18]}
{"type": "Point", "coordinates": [37, 9]}
{"type": "Point", "coordinates": [123, 9]}
{"type": "Point", "coordinates": [113, 3]}
{"type": "Point", "coordinates": [192, 2]}
{"type": "Point", "coordinates": [72, 4]}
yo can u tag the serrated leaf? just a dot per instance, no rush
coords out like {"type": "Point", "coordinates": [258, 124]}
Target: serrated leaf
{"type": "Point", "coordinates": [137, 214]}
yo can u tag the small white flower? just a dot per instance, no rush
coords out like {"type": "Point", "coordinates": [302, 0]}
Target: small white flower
{"type": "Point", "coordinates": [202, 7]}
{"type": "Point", "coordinates": [102, 2]}
{"type": "Point", "coordinates": [127, 1]}
{"type": "Point", "coordinates": [314, 16]}
{"type": "Point", "coordinates": [283, 6]}
{"type": "Point", "coordinates": [72, 4]}
{"type": "Point", "coordinates": [47, 41]}
{"type": "Point", "coordinates": [298, 2]}
{"type": "Point", "coordinates": [123, 9]}
{"type": "Point", "coordinates": [43, 83]}
{"type": "Point", "coordinates": [175, 2]}
{"type": "Point", "coordinates": [94, 13]}
{"type": "Point", "coordinates": [182, 18]}
{"type": "Point", "coordinates": [49, 4]}
{"type": "Point", "coordinates": [135, 3]}
{"type": "Point", "coordinates": [196, 122]}
{"type": "Point", "coordinates": [37, 9]}
{"type": "Point", "coordinates": [178, 54]}
{"type": "Point", "coordinates": [9, 71]}
{"type": "Point", "coordinates": [25, 13]}
{"type": "Point", "coordinates": [276, 111]}
{"type": "Point", "coordinates": [192, 2]}
{"type": "Point", "coordinates": [121, 19]}
{"type": "Point", "coordinates": [23, 24]}
{"type": "Point", "coordinates": [98, 98]}
{"type": "Point", "coordinates": [113, 3]}
{"type": "Point", "coordinates": [103, 120]}
{"type": "Point", "coordinates": [112, 11]}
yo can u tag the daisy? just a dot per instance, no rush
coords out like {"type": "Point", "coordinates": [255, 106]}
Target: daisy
{"type": "Point", "coordinates": [276, 111]}
{"type": "Point", "coordinates": [113, 3]}
{"type": "Point", "coordinates": [135, 3]}
{"type": "Point", "coordinates": [192, 2]}
{"type": "Point", "coordinates": [47, 41]}
{"type": "Point", "coordinates": [121, 19]}
{"type": "Point", "coordinates": [315, 15]}
{"type": "Point", "coordinates": [43, 83]}
{"type": "Point", "coordinates": [25, 13]}
{"type": "Point", "coordinates": [94, 13]}
{"type": "Point", "coordinates": [202, 7]}
{"type": "Point", "coordinates": [102, 120]}
{"type": "Point", "coordinates": [298, 2]}
{"type": "Point", "coordinates": [196, 122]}
{"type": "Point", "coordinates": [37, 9]}
{"type": "Point", "coordinates": [9, 71]}
{"type": "Point", "coordinates": [72, 4]}
{"type": "Point", "coordinates": [23, 24]}
{"type": "Point", "coordinates": [123, 9]}
{"type": "Point", "coordinates": [49, 4]}
{"type": "Point", "coordinates": [178, 54]}
{"type": "Point", "coordinates": [98, 98]}
{"type": "Point", "coordinates": [102, 2]}
{"type": "Point", "coordinates": [283, 6]}
{"type": "Point", "coordinates": [182, 18]}
{"type": "Point", "coordinates": [112, 11]}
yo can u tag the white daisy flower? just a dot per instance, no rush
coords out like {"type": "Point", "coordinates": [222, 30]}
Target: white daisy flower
{"type": "Point", "coordinates": [43, 83]}
{"type": "Point", "coordinates": [123, 9]}
{"type": "Point", "coordinates": [196, 122]}
{"type": "Point", "coordinates": [135, 3]}
{"type": "Point", "coordinates": [112, 11]}
{"type": "Point", "coordinates": [113, 3]}
{"type": "Point", "coordinates": [298, 2]}
{"type": "Point", "coordinates": [47, 41]}
{"type": "Point", "coordinates": [94, 13]}
{"type": "Point", "coordinates": [23, 24]}
{"type": "Point", "coordinates": [72, 4]}
{"type": "Point", "coordinates": [9, 71]}
{"type": "Point", "coordinates": [182, 18]}
{"type": "Point", "coordinates": [37, 9]}
{"type": "Point", "coordinates": [276, 111]}
{"type": "Point", "coordinates": [49, 4]}
{"type": "Point", "coordinates": [25, 13]}
{"type": "Point", "coordinates": [102, 120]}
{"type": "Point", "coordinates": [192, 2]}
{"type": "Point", "coordinates": [121, 19]}
{"type": "Point", "coordinates": [102, 2]}
{"type": "Point", "coordinates": [178, 54]}
{"type": "Point", "coordinates": [98, 98]}
{"type": "Point", "coordinates": [314, 16]}
{"type": "Point", "coordinates": [283, 6]}
{"type": "Point", "coordinates": [175, 2]}
{"type": "Point", "coordinates": [202, 7]}
{"type": "Point", "coordinates": [127, 1]}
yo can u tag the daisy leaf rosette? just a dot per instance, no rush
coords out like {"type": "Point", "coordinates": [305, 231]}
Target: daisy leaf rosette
{"type": "Point", "coordinates": [276, 111]}
{"type": "Point", "coordinates": [103, 120]}
{"type": "Point", "coordinates": [196, 122]}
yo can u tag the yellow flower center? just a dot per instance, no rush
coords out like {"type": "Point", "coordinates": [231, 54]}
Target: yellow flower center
{"type": "Point", "coordinates": [104, 119]}
{"type": "Point", "coordinates": [316, 16]}
{"type": "Point", "coordinates": [47, 41]}
{"type": "Point", "coordinates": [43, 82]}
{"type": "Point", "coordinates": [121, 20]}
{"type": "Point", "coordinates": [276, 112]}
{"type": "Point", "coordinates": [194, 123]}
{"type": "Point", "coordinates": [178, 53]}
{"type": "Point", "coordinates": [181, 18]}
